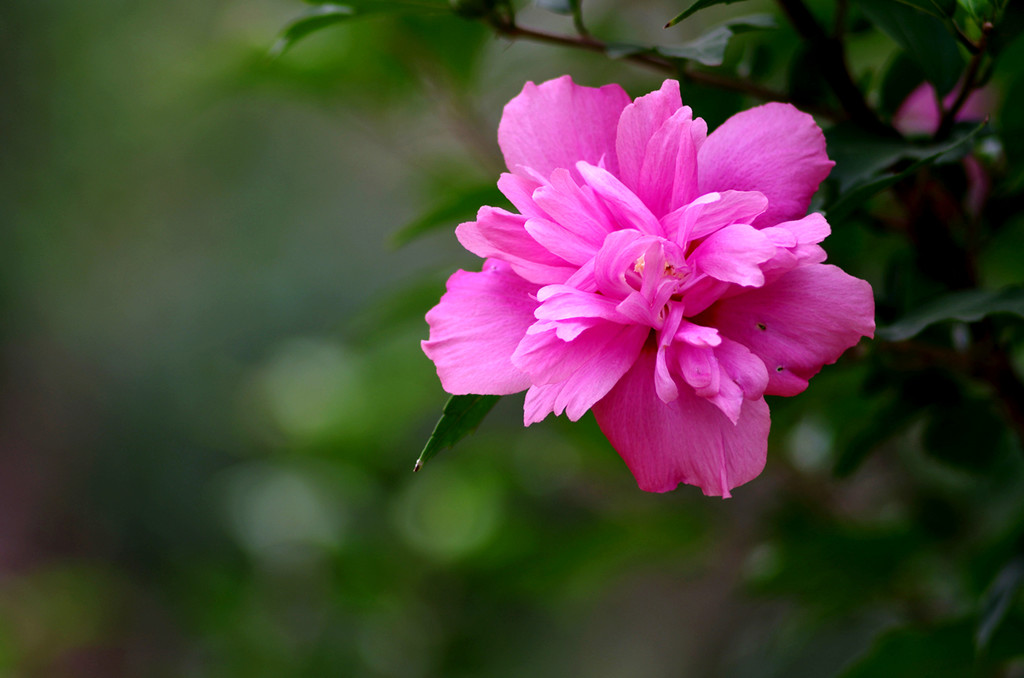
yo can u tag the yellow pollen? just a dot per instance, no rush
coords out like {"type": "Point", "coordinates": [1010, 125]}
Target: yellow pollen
{"type": "Point", "coordinates": [639, 265]}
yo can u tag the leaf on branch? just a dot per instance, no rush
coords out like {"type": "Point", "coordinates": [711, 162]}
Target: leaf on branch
{"type": "Point", "coordinates": [329, 14]}
{"type": "Point", "coordinates": [936, 8]}
{"type": "Point", "coordinates": [979, 10]}
{"type": "Point", "coordinates": [697, 6]}
{"type": "Point", "coordinates": [460, 417]}
{"type": "Point", "coordinates": [969, 306]}
{"type": "Point", "coordinates": [862, 163]}
{"type": "Point", "coordinates": [925, 37]}
{"type": "Point", "coordinates": [557, 6]}
{"type": "Point", "coordinates": [709, 49]}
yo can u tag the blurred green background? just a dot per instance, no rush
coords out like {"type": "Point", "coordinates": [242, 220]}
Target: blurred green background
{"type": "Point", "coordinates": [213, 391]}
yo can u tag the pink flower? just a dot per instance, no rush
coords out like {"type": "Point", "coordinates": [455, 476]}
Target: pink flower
{"type": "Point", "coordinates": [665, 278]}
{"type": "Point", "coordinates": [919, 113]}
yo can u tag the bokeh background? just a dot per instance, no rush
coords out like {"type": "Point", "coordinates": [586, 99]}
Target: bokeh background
{"type": "Point", "coordinates": [213, 273]}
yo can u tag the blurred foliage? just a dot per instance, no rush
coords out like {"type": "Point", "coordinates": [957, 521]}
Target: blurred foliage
{"type": "Point", "coordinates": [213, 389]}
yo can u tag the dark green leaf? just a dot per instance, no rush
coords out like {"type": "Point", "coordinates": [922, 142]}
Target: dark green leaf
{"type": "Point", "coordinates": [697, 6]}
{"type": "Point", "coordinates": [969, 306]}
{"type": "Point", "coordinates": [863, 157]}
{"type": "Point", "coordinates": [310, 22]}
{"type": "Point", "coordinates": [460, 417]}
{"type": "Point", "coordinates": [936, 8]}
{"type": "Point", "coordinates": [618, 50]}
{"type": "Point", "coordinates": [979, 10]}
{"type": "Point", "coordinates": [568, 7]}
{"type": "Point", "coordinates": [557, 6]}
{"type": "Point", "coordinates": [998, 599]}
{"type": "Point", "coordinates": [709, 49]}
{"type": "Point", "coordinates": [329, 14]}
{"type": "Point", "coordinates": [902, 77]}
{"type": "Point", "coordinates": [926, 39]}
{"type": "Point", "coordinates": [454, 209]}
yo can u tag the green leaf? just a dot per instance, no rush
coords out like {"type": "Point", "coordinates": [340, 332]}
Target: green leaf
{"type": "Point", "coordinates": [901, 78]}
{"type": "Point", "coordinates": [709, 49]}
{"type": "Point", "coordinates": [329, 14]}
{"type": "Point", "coordinates": [310, 22]}
{"type": "Point", "coordinates": [572, 8]}
{"type": "Point", "coordinates": [936, 8]}
{"type": "Point", "coordinates": [926, 38]}
{"type": "Point", "coordinates": [860, 159]}
{"type": "Point", "coordinates": [998, 599]}
{"type": "Point", "coordinates": [460, 417]}
{"type": "Point", "coordinates": [697, 6]}
{"type": "Point", "coordinates": [979, 10]}
{"type": "Point", "coordinates": [449, 212]}
{"type": "Point", "coordinates": [969, 306]}
{"type": "Point", "coordinates": [557, 6]}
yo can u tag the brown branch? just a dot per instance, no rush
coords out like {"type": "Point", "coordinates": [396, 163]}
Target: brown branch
{"type": "Point", "coordinates": [659, 63]}
{"type": "Point", "coordinates": [969, 84]}
{"type": "Point", "coordinates": [832, 61]}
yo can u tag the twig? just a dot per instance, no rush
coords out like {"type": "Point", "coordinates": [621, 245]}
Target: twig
{"type": "Point", "coordinates": [659, 63]}
{"type": "Point", "coordinates": [832, 61]}
{"type": "Point", "coordinates": [969, 83]}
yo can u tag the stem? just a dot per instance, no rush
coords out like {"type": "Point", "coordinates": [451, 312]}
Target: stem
{"type": "Point", "coordinates": [659, 63]}
{"type": "Point", "coordinates": [970, 81]}
{"type": "Point", "coordinates": [577, 18]}
{"type": "Point", "coordinates": [832, 61]}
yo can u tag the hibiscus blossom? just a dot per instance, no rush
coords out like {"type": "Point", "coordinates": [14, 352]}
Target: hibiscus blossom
{"type": "Point", "coordinates": [665, 278]}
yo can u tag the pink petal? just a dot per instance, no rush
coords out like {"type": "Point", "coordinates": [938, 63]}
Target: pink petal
{"type": "Point", "coordinates": [548, 358]}
{"type": "Point", "coordinates": [561, 242]}
{"type": "Point", "coordinates": [615, 263]}
{"type": "Point", "coordinates": [562, 302]}
{"type": "Point", "coordinates": [798, 323]}
{"type": "Point", "coordinates": [732, 207]}
{"type": "Point", "coordinates": [475, 328]}
{"type": "Point", "coordinates": [576, 209]}
{"type": "Point", "coordinates": [502, 235]}
{"type": "Point", "coordinates": [594, 373]}
{"type": "Point", "coordinates": [668, 176]}
{"type": "Point", "coordinates": [774, 149]}
{"type": "Point", "coordinates": [519, 190]}
{"type": "Point", "coordinates": [796, 243]}
{"type": "Point", "coordinates": [688, 440]}
{"type": "Point", "coordinates": [638, 123]}
{"type": "Point", "coordinates": [919, 112]}
{"type": "Point", "coordinates": [557, 123]}
{"type": "Point", "coordinates": [626, 209]}
{"type": "Point", "coordinates": [734, 254]}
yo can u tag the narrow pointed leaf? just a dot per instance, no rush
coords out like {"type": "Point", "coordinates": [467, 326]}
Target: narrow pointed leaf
{"type": "Point", "coordinates": [925, 37]}
{"type": "Point", "coordinates": [697, 6]}
{"type": "Point", "coordinates": [969, 306]}
{"type": "Point", "coordinates": [709, 49]}
{"type": "Point", "coordinates": [310, 22]}
{"type": "Point", "coordinates": [460, 417]}
{"type": "Point", "coordinates": [329, 14]}
{"type": "Point", "coordinates": [863, 181]}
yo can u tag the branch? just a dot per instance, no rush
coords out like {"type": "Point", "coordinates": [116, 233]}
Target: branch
{"type": "Point", "coordinates": [969, 84]}
{"type": "Point", "coordinates": [672, 67]}
{"type": "Point", "coordinates": [832, 62]}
